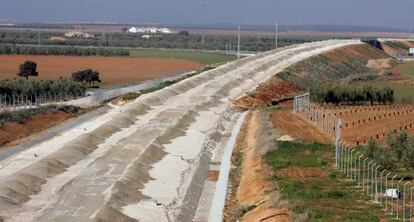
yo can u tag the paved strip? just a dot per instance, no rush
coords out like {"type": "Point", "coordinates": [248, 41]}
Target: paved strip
{"type": "Point", "coordinates": [52, 132]}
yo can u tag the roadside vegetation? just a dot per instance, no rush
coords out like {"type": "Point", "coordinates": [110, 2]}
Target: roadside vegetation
{"type": "Point", "coordinates": [314, 189]}
{"type": "Point", "coordinates": [346, 95]}
{"type": "Point", "coordinates": [201, 57]}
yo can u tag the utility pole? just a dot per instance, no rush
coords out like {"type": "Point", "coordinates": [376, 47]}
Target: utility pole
{"type": "Point", "coordinates": [238, 44]}
{"type": "Point", "coordinates": [38, 38]}
{"type": "Point", "coordinates": [276, 35]}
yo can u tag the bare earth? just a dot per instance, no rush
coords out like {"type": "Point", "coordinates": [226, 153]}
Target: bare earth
{"type": "Point", "coordinates": [112, 69]}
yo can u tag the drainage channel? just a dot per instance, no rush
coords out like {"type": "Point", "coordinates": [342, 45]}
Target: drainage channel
{"type": "Point", "coordinates": [219, 198]}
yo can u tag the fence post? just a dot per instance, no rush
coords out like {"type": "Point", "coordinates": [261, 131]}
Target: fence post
{"type": "Point", "coordinates": [372, 180]}
{"type": "Point", "coordinates": [337, 141]}
{"type": "Point", "coordinates": [376, 185]}
{"type": "Point", "coordinates": [381, 190]}
{"type": "Point", "coordinates": [367, 178]}
{"type": "Point", "coordinates": [363, 175]}
{"type": "Point", "coordinates": [404, 200]}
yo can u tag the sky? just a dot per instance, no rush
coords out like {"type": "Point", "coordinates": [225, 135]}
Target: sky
{"type": "Point", "coordinates": [378, 13]}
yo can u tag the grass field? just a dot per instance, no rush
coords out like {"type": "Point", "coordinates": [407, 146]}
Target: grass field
{"type": "Point", "coordinates": [200, 57]}
{"type": "Point", "coordinates": [316, 191]}
{"type": "Point", "coordinates": [406, 68]}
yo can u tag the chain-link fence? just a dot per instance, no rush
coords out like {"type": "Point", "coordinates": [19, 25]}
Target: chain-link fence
{"type": "Point", "coordinates": [392, 192]}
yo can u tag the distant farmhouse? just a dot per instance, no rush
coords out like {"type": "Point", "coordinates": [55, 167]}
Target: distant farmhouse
{"type": "Point", "coordinates": [152, 30]}
{"type": "Point", "coordinates": [72, 34]}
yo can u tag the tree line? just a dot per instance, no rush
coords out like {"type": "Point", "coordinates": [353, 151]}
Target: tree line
{"type": "Point", "coordinates": [35, 87]}
{"type": "Point", "coordinates": [60, 51]}
{"type": "Point", "coordinates": [344, 95]}
{"type": "Point", "coordinates": [169, 41]}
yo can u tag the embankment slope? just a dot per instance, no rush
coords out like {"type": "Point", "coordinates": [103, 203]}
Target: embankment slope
{"type": "Point", "coordinates": [137, 163]}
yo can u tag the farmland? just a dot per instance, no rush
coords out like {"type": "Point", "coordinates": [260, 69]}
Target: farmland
{"type": "Point", "coordinates": [363, 123]}
{"type": "Point", "coordinates": [112, 69]}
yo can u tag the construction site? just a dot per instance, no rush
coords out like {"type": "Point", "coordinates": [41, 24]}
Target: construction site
{"type": "Point", "coordinates": [106, 122]}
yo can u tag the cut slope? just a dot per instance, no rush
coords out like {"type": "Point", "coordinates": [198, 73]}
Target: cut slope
{"type": "Point", "coordinates": [397, 47]}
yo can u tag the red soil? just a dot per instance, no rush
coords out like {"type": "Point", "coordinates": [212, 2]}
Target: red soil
{"type": "Point", "coordinates": [112, 69]}
{"type": "Point", "coordinates": [263, 95]}
{"type": "Point", "coordinates": [12, 133]}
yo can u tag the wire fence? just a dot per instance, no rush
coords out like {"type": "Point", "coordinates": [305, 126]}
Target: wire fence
{"type": "Point", "coordinates": [18, 102]}
{"type": "Point", "coordinates": [392, 192]}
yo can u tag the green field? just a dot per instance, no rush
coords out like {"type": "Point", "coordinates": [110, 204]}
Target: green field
{"type": "Point", "coordinates": [315, 190]}
{"type": "Point", "coordinates": [201, 57]}
{"type": "Point", "coordinates": [406, 68]}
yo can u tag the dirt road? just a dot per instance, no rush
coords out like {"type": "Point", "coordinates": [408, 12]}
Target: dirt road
{"type": "Point", "coordinates": [136, 163]}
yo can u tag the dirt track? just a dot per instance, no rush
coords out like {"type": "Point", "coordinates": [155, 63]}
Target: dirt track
{"type": "Point", "coordinates": [112, 69]}
{"type": "Point", "coordinates": [137, 161]}
{"type": "Point", "coordinates": [295, 126]}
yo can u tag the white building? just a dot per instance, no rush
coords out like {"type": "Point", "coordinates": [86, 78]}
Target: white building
{"type": "Point", "coordinates": [152, 30]}
{"type": "Point", "coordinates": [78, 34]}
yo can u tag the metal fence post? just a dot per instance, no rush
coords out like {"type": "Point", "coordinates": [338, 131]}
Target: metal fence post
{"type": "Point", "coordinates": [398, 186]}
{"type": "Point", "coordinates": [404, 200]}
{"type": "Point", "coordinates": [376, 184]}
{"type": "Point", "coordinates": [355, 166]}
{"type": "Point", "coordinates": [363, 174]}
{"type": "Point", "coordinates": [367, 179]}
{"type": "Point", "coordinates": [372, 180]}
{"type": "Point", "coordinates": [381, 190]}
{"type": "Point", "coordinates": [350, 166]}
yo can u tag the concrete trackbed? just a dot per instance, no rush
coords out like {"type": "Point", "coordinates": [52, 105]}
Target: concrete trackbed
{"type": "Point", "coordinates": [145, 161]}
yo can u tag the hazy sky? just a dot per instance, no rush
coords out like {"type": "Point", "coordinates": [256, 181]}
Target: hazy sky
{"type": "Point", "coordinates": [385, 13]}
